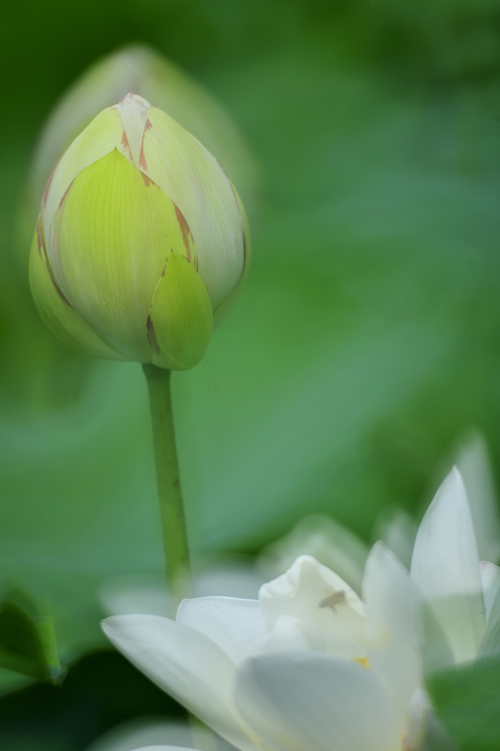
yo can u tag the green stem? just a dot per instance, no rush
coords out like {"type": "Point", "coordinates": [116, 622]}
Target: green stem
{"type": "Point", "coordinates": [173, 519]}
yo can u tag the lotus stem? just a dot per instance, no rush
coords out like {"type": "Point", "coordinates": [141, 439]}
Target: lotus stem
{"type": "Point", "coordinates": [173, 519]}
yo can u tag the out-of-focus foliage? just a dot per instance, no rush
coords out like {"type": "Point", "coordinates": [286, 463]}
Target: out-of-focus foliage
{"type": "Point", "coordinates": [27, 640]}
{"type": "Point", "coordinates": [368, 335]}
{"type": "Point", "coordinates": [468, 703]}
{"type": "Point", "coordinates": [100, 692]}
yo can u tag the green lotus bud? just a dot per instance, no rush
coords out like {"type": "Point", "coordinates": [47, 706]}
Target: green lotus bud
{"type": "Point", "coordinates": [140, 69]}
{"type": "Point", "coordinates": [141, 244]}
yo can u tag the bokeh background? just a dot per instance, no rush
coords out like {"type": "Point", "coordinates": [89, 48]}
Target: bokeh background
{"type": "Point", "coordinates": [366, 341]}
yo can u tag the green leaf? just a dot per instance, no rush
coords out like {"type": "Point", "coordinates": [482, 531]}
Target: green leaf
{"type": "Point", "coordinates": [467, 701]}
{"type": "Point", "coordinates": [27, 641]}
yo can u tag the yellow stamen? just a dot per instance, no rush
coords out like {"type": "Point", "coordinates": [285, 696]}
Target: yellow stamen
{"type": "Point", "coordinates": [364, 661]}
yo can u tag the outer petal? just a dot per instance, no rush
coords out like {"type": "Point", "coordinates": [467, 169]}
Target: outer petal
{"type": "Point", "coordinates": [287, 634]}
{"type": "Point", "coordinates": [185, 663]}
{"type": "Point", "coordinates": [445, 568]}
{"type": "Point", "coordinates": [392, 606]}
{"type": "Point", "coordinates": [109, 266]}
{"type": "Point", "coordinates": [140, 69]}
{"type": "Point", "coordinates": [474, 464]}
{"type": "Point", "coordinates": [490, 579]}
{"type": "Point", "coordinates": [419, 720]}
{"type": "Point", "coordinates": [180, 320]}
{"type": "Point", "coordinates": [228, 621]}
{"type": "Point", "coordinates": [206, 199]}
{"type": "Point", "coordinates": [98, 139]}
{"type": "Point", "coordinates": [159, 733]}
{"type": "Point", "coordinates": [57, 313]}
{"type": "Point", "coordinates": [305, 700]}
{"type": "Point", "coordinates": [490, 645]}
{"type": "Point", "coordinates": [490, 582]}
{"type": "Point", "coordinates": [304, 592]}
{"type": "Point", "coordinates": [437, 652]}
{"type": "Point", "coordinates": [225, 306]}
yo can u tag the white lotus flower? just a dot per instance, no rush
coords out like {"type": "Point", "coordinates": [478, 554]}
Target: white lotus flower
{"type": "Point", "coordinates": [307, 667]}
{"type": "Point", "coordinates": [462, 593]}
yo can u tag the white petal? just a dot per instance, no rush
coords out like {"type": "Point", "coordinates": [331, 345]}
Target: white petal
{"type": "Point", "coordinates": [330, 612]}
{"type": "Point", "coordinates": [146, 733]}
{"type": "Point", "coordinates": [133, 111]}
{"type": "Point", "coordinates": [437, 652]}
{"type": "Point", "coordinates": [474, 464]}
{"type": "Point", "coordinates": [186, 664]}
{"type": "Point", "coordinates": [306, 701]}
{"type": "Point", "coordinates": [445, 568]}
{"type": "Point", "coordinates": [392, 605]}
{"type": "Point", "coordinates": [228, 621]}
{"type": "Point", "coordinates": [490, 581]}
{"type": "Point", "coordinates": [194, 180]}
{"type": "Point", "coordinates": [165, 748]}
{"type": "Point", "coordinates": [287, 634]}
{"type": "Point", "coordinates": [418, 724]}
{"type": "Point", "coordinates": [490, 644]}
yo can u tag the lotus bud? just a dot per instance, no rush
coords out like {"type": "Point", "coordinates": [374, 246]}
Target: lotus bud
{"type": "Point", "coordinates": [141, 245]}
{"type": "Point", "coordinates": [141, 69]}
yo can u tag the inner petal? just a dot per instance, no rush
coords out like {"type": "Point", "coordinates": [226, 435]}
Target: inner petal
{"type": "Point", "coordinates": [330, 613]}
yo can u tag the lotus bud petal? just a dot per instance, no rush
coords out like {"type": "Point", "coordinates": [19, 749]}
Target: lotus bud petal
{"type": "Point", "coordinates": [142, 242]}
{"type": "Point", "coordinates": [141, 69]}
{"type": "Point", "coordinates": [180, 321]}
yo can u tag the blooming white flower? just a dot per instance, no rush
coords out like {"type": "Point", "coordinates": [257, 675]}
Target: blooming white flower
{"type": "Point", "coordinates": [341, 550]}
{"type": "Point", "coordinates": [462, 593]}
{"type": "Point", "coordinates": [307, 667]}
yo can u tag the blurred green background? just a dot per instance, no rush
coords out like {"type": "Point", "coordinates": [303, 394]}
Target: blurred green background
{"type": "Point", "coordinates": [366, 340]}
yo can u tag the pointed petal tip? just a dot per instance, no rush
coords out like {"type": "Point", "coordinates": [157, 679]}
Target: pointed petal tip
{"type": "Point", "coordinates": [133, 101]}
{"type": "Point", "coordinates": [381, 551]}
{"type": "Point", "coordinates": [457, 475]}
{"type": "Point", "coordinates": [111, 624]}
{"type": "Point", "coordinates": [451, 493]}
{"type": "Point", "coordinates": [304, 560]}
